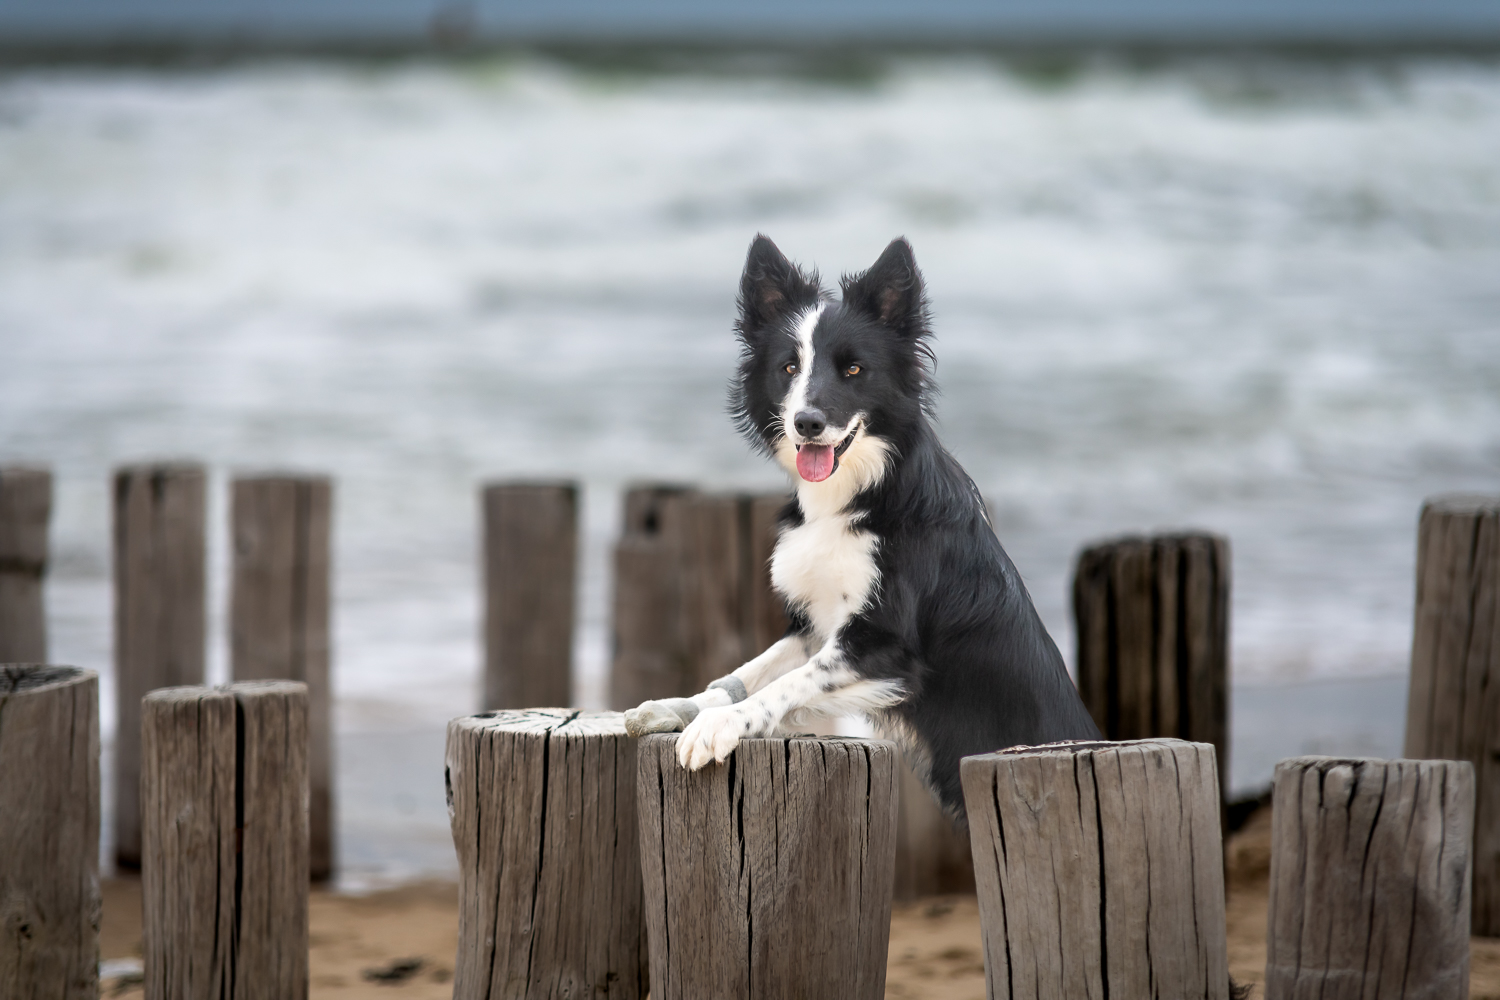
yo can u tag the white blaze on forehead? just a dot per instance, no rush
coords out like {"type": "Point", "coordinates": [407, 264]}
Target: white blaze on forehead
{"type": "Point", "coordinates": [796, 396]}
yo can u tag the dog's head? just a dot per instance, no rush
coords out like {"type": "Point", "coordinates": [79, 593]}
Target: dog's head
{"type": "Point", "coordinates": [823, 384]}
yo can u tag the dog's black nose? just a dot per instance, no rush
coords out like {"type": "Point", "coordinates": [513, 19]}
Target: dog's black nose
{"type": "Point", "coordinates": [810, 423]}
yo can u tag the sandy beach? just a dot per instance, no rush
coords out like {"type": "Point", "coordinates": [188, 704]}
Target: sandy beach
{"type": "Point", "coordinates": [399, 944]}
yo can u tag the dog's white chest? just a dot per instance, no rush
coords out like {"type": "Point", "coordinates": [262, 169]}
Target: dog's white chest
{"type": "Point", "coordinates": [828, 568]}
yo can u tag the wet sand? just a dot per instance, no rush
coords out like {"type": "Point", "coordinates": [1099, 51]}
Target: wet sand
{"type": "Point", "coordinates": [935, 951]}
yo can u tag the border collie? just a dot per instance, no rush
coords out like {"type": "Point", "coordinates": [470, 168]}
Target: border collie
{"type": "Point", "coordinates": [903, 605]}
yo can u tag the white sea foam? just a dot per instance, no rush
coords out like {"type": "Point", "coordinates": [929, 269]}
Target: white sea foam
{"type": "Point", "coordinates": [1256, 297]}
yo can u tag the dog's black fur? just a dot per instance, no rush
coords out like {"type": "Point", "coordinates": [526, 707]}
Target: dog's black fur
{"type": "Point", "coordinates": [949, 618]}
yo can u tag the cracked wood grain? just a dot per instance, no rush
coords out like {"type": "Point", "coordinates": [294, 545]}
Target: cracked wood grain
{"type": "Point", "coordinates": [25, 509]}
{"type": "Point", "coordinates": [49, 832]}
{"type": "Point", "coordinates": [543, 809]}
{"type": "Point", "coordinates": [160, 617]}
{"type": "Point", "coordinates": [224, 869]}
{"type": "Point", "coordinates": [1453, 705]}
{"type": "Point", "coordinates": [1099, 870]}
{"type": "Point", "coordinates": [530, 557]}
{"type": "Point", "coordinates": [1370, 870]}
{"type": "Point", "coordinates": [769, 876]}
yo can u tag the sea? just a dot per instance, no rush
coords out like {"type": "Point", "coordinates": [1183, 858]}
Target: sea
{"type": "Point", "coordinates": [1255, 294]}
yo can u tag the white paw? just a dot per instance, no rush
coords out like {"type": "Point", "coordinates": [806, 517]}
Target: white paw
{"type": "Point", "coordinates": [651, 717]}
{"type": "Point", "coordinates": [713, 735]}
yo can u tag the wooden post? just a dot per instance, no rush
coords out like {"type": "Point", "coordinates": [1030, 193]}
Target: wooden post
{"type": "Point", "coordinates": [530, 558]}
{"type": "Point", "coordinates": [649, 655]}
{"type": "Point", "coordinates": [223, 875]}
{"type": "Point", "coordinates": [543, 810]}
{"type": "Point", "coordinates": [159, 614]}
{"type": "Point", "coordinates": [933, 856]}
{"type": "Point", "coordinates": [49, 832]}
{"type": "Point", "coordinates": [769, 876]}
{"type": "Point", "coordinates": [1370, 870]}
{"type": "Point", "coordinates": [278, 618]}
{"type": "Point", "coordinates": [1153, 638]}
{"type": "Point", "coordinates": [25, 508]}
{"type": "Point", "coordinates": [1100, 870]}
{"type": "Point", "coordinates": [1453, 708]}
{"type": "Point", "coordinates": [765, 617]}
{"type": "Point", "coordinates": [714, 575]}
{"type": "Point", "coordinates": [693, 596]}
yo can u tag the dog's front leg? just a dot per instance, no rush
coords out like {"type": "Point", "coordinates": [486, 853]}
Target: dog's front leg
{"type": "Point", "coordinates": [668, 715]}
{"type": "Point", "coordinates": [716, 731]}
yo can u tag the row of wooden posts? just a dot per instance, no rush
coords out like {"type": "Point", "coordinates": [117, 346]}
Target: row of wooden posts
{"type": "Point", "coordinates": [279, 606]}
{"type": "Point", "coordinates": [1152, 617]}
{"type": "Point", "coordinates": [592, 864]}
{"type": "Point", "coordinates": [692, 601]}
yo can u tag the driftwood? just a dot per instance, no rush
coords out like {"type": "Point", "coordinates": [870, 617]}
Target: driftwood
{"type": "Point", "coordinates": [769, 876]}
{"type": "Point", "coordinates": [1370, 869]}
{"type": "Point", "coordinates": [49, 832]}
{"type": "Point", "coordinates": [279, 618]}
{"type": "Point", "coordinates": [159, 614]}
{"type": "Point", "coordinates": [25, 508]}
{"type": "Point", "coordinates": [542, 804]}
{"type": "Point", "coordinates": [530, 559]}
{"type": "Point", "coordinates": [1453, 708]}
{"type": "Point", "coordinates": [1099, 870]}
{"type": "Point", "coordinates": [224, 870]}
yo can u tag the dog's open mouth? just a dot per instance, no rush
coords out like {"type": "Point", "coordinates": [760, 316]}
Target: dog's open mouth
{"type": "Point", "coordinates": [816, 462]}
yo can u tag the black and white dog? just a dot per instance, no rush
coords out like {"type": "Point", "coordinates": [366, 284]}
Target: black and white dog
{"type": "Point", "coordinates": [903, 605]}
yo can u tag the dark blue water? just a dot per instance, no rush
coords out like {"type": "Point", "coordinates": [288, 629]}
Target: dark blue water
{"type": "Point", "coordinates": [779, 21]}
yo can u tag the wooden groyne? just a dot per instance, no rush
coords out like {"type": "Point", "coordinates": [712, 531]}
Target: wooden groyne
{"type": "Point", "coordinates": [594, 864]}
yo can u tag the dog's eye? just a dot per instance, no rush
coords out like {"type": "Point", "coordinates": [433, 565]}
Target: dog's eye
{"type": "Point", "coordinates": [852, 370]}
{"type": "Point", "coordinates": [791, 369]}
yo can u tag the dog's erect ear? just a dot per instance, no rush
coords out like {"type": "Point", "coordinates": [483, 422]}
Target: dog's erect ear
{"type": "Point", "coordinates": [891, 290]}
{"type": "Point", "coordinates": [772, 287]}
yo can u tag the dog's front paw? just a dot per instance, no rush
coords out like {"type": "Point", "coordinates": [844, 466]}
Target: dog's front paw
{"type": "Point", "coordinates": [652, 717]}
{"type": "Point", "coordinates": [712, 736]}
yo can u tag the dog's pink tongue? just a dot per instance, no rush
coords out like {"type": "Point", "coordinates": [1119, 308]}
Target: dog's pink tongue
{"type": "Point", "coordinates": [815, 462]}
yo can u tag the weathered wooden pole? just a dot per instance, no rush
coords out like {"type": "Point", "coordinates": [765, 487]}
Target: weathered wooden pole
{"type": "Point", "coordinates": [769, 876]}
{"type": "Point", "coordinates": [715, 575]}
{"type": "Point", "coordinates": [1453, 707]}
{"type": "Point", "coordinates": [933, 856]}
{"type": "Point", "coordinates": [765, 616]}
{"type": "Point", "coordinates": [25, 509]}
{"type": "Point", "coordinates": [693, 596]}
{"type": "Point", "coordinates": [49, 832]}
{"type": "Point", "coordinates": [1099, 870]}
{"type": "Point", "coordinates": [279, 618]}
{"type": "Point", "coordinates": [1153, 638]}
{"type": "Point", "coordinates": [1370, 869]}
{"type": "Point", "coordinates": [159, 614]}
{"type": "Point", "coordinates": [543, 804]}
{"type": "Point", "coordinates": [224, 871]}
{"type": "Point", "coordinates": [530, 560]}
{"type": "Point", "coordinates": [650, 659]}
